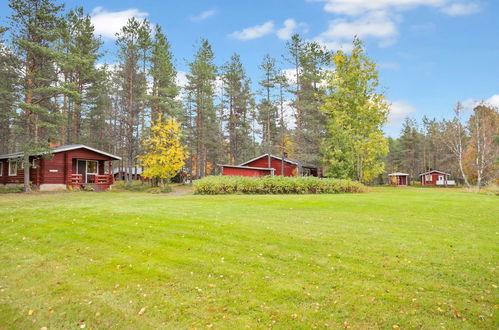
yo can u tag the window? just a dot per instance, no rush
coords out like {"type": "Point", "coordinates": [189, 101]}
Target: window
{"type": "Point", "coordinates": [428, 177]}
{"type": "Point", "coordinates": [12, 168]}
{"type": "Point", "coordinates": [1, 168]}
{"type": "Point", "coordinates": [92, 167]}
{"type": "Point", "coordinates": [34, 163]}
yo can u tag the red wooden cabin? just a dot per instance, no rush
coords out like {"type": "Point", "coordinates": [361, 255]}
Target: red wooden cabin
{"type": "Point", "coordinates": [399, 179]}
{"type": "Point", "coordinates": [74, 165]}
{"type": "Point", "coordinates": [259, 166]}
{"type": "Point", "coordinates": [436, 178]}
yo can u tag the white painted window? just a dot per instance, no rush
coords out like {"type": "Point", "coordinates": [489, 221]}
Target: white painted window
{"type": "Point", "coordinates": [428, 177]}
{"type": "Point", "coordinates": [12, 168]}
{"type": "Point", "coordinates": [1, 168]}
{"type": "Point", "coordinates": [34, 163]}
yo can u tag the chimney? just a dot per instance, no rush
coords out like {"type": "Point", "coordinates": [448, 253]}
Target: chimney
{"type": "Point", "coordinates": [54, 144]}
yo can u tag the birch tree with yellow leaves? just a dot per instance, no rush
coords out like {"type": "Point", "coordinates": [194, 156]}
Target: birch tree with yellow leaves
{"type": "Point", "coordinates": [356, 112]}
{"type": "Point", "coordinates": [165, 155]}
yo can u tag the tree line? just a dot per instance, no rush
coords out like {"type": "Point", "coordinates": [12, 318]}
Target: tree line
{"type": "Point", "coordinates": [53, 88]}
{"type": "Point", "coordinates": [469, 150]}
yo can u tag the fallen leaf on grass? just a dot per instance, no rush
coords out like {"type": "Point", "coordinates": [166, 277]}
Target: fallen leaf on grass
{"type": "Point", "coordinates": [142, 311]}
{"type": "Point", "coordinates": [30, 312]}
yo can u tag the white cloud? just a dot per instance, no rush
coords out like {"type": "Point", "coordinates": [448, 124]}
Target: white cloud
{"type": "Point", "coordinates": [290, 27]}
{"type": "Point", "coordinates": [204, 15]}
{"type": "Point", "coordinates": [399, 110]}
{"type": "Point", "coordinates": [470, 104]}
{"type": "Point", "coordinates": [374, 24]}
{"type": "Point", "coordinates": [461, 9]}
{"type": "Point", "coordinates": [359, 7]}
{"type": "Point", "coordinates": [181, 78]}
{"type": "Point", "coordinates": [379, 19]}
{"type": "Point", "coordinates": [108, 23]}
{"type": "Point", "coordinates": [254, 32]}
{"type": "Point", "coordinates": [493, 100]}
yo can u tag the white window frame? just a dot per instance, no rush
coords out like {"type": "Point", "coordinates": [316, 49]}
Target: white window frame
{"type": "Point", "coordinates": [34, 163]}
{"type": "Point", "coordinates": [10, 168]}
{"type": "Point", "coordinates": [1, 167]}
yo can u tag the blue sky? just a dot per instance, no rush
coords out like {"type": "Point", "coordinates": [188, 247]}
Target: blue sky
{"type": "Point", "coordinates": [431, 53]}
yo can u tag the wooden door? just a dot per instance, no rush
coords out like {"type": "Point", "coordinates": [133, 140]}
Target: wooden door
{"type": "Point", "coordinates": [81, 168]}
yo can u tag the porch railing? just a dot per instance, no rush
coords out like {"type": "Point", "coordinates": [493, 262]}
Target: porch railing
{"type": "Point", "coordinates": [105, 179]}
{"type": "Point", "coordinates": [75, 179]}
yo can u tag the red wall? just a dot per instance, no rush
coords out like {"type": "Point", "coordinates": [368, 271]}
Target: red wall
{"type": "Point", "coordinates": [19, 178]}
{"type": "Point", "coordinates": [434, 179]}
{"type": "Point", "coordinates": [43, 174]}
{"type": "Point", "coordinates": [276, 164]}
{"type": "Point", "coordinates": [244, 172]}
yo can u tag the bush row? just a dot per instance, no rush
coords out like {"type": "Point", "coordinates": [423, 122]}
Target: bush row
{"type": "Point", "coordinates": [215, 185]}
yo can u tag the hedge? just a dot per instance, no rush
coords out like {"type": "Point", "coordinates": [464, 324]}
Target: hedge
{"type": "Point", "coordinates": [216, 185]}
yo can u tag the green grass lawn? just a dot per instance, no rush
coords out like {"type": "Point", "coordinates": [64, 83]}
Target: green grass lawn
{"type": "Point", "coordinates": [403, 257]}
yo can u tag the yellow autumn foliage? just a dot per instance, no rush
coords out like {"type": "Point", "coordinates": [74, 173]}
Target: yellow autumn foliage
{"type": "Point", "coordinates": [165, 155]}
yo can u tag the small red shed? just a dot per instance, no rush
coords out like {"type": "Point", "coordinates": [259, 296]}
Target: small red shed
{"type": "Point", "coordinates": [267, 164]}
{"type": "Point", "coordinates": [436, 178]}
{"type": "Point", "coordinates": [399, 179]}
{"type": "Point", "coordinates": [73, 165]}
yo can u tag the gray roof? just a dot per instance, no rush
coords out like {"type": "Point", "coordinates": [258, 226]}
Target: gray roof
{"type": "Point", "coordinates": [287, 160]}
{"type": "Point", "coordinates": [433, 171]}
{"type": "Point", "coordinates": [398, 174]}
{"type": "Point", "coordinates": [62, 149]}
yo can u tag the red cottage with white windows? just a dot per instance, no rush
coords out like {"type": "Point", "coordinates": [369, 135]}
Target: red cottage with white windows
{"type": "Point", "coordinates": [266, 164]}
{"type": "Point", "coordinates": [75, 165]}
{"type": "Point", "coordinates": [436, 178]}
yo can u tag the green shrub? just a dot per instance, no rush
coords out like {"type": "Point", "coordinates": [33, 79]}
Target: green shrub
{"type": "Point", "coordinates": [10, 190]}
{"type": "Point", "coordinates": [216, 185]}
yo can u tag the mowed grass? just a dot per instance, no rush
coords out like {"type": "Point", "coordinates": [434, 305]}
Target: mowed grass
{"type": "Point", "coordinates": [403, 257]}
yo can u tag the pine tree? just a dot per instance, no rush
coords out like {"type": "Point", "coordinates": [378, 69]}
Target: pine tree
{"type": "Point", "coordinates": [267, 109]}
{"type": "Point", "coordinates": [133, 87]}
{"type": "Point", "coordinates": [8, 95]}
{"type": "Point", "coordinates": [79, 53]}
{"type": "Point", "coordinates": [313, 58]}
{"type": "Point", "coordinates": [33, 26]}
{"type": "Point", "coordinates": [238, 102]}
{"type": "Point", "coordinates": [163, 99]}
{"type": "Point", "coordinates": [201, 86]}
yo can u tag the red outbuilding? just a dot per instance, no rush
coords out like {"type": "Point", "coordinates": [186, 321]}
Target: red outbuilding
{"type": "Point", "coordinates": [399, 179]}
{"type": "Point", "coordinates": [73, 165]}
{"type": "Point", "coordinates": [271, 165]}
{"type": "Point", "coordinates": [436, 178]}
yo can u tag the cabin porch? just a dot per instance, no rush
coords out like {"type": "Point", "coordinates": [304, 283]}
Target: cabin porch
{"type": "Point", "coordinates": [90, 172]}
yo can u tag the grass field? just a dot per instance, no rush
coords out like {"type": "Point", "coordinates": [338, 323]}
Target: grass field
{"type": "Point", "coordinates": [390, 258]}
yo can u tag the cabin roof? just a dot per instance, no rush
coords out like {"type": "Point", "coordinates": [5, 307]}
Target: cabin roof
{"type": "Point", "coordinates": [287, 160]}
{"type": "Point", "coordinates": [432, 171]}
{"type": "Point", "coordinates": [249, 167]}
{"type": "Point", "coordinates": [398, 174]}
{"type": "Point", "coordinates": [63, 149]}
